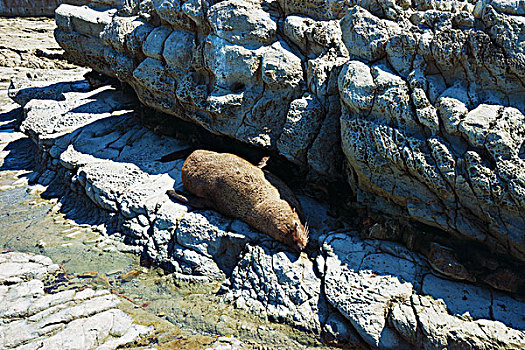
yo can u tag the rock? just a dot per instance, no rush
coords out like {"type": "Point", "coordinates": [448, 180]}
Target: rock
{"type": "Point", "coordinates": [19, 267]}
{"type": "Point", "coordinates": [506, 280]}
{"type": "Point", "coordinates": [33, 8]}
{"type": "Point", "coordinates": [31, 318]}
{"type": "Point", "coordinates": [93, 141]}
{"type": "Point", "coordinates": [444, 261]}
{"type": "Point", "coordinates": [279, 285]}
{"type": "Point", "coordinates": [242, 22]}
{"type": "Point", "coordinates": [363, 296]}
{"type": "Point", "coordinates": [423, 100]}
{"type": "Point", "coordinates": [376, 285]}
{"type": "Point", "coordinates": [302, 124]}
{"type": "Point", "coordinates": [438, 329]}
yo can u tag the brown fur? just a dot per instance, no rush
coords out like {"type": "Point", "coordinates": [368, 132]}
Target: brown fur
{"type": "Point", "coordinates": [238, 189]}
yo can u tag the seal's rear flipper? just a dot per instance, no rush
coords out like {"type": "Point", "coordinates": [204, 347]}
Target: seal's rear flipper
{"type": "Point", "coordinates": [192, 201]}
{"type": "Point", "coordinates": [263, 162]}
{"type": "Point", "coordinates": [176, 155]}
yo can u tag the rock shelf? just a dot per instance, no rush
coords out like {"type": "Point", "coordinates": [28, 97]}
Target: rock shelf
{"type": "Point", "coordinates": [72, 319]}
{"type": "Point", "coordinates": [418, 104]}
{"type": "Point", "coordinates": [350, 290]}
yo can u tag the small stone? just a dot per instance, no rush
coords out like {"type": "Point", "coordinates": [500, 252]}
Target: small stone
{"type": "Point", "coordinates": [444, 261]}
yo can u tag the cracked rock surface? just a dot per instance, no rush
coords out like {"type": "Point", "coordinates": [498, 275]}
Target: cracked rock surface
{"type": "Point", "coordinates": [423, 100]}
{"type": "Point", "coordinates": [33, 319]}
{"type": "Point", "coordinates": [349, 291]}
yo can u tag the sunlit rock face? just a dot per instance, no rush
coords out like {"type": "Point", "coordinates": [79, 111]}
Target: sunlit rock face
{"type": "Point", "coordinates": [420, 104]}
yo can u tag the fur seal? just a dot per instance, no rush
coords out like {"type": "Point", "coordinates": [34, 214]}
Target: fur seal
{"type": "Point", "coordinates": [234, 187]}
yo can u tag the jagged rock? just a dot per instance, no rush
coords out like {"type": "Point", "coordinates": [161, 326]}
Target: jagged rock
{"type": "Point", "coordinates": [431, 93]}
{"type": "Point", "coordinates": [426, 323]}
{"type": "Point", "coordinates": [113, 159]}
{"type": "Point", "coordinates": [377, 284]}
{"type": "Point", "coordinates": [280, 285]}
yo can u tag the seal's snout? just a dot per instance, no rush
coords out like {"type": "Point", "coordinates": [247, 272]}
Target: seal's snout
{"type": "Point", "coordinates": [300, 236]}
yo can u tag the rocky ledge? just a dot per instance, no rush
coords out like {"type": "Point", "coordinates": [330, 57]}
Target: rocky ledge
{"type": "Point", "coordinates": [423, 100]}
{"type": "Point", "coordinates": [347, 290]}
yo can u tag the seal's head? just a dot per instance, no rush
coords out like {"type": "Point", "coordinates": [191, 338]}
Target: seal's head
{"type": "Point", "coordinates": [296, 235]}
{"type": "Point", "coordinates": [300, 235]}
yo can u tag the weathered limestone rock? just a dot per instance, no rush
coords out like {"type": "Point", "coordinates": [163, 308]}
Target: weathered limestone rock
{"type": "Point", "coordinates": [92, 142]}
{"type": "Point", "coordinates": [33, 319]}
{"type": "Point", "coordinates": [425, 99]}
{"type": "Point", "coordinates": [393, 302]}
{"type": "Point", "coordinates": [437, 135]}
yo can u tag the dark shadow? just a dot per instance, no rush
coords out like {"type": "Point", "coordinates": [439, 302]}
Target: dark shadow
{"type": "Point", "coordinates": [22, 155]}
{"type": "Point", "coordinates": [50, 92]}
{"type": "Point", "coordinates": [10, 120]}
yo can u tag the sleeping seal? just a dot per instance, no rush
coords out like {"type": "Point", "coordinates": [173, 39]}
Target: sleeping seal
{"type": "Point", "coordinates": [238, 189]}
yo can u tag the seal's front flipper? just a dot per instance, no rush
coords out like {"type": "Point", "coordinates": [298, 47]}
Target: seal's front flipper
{"type": "Point", "coordinates": [263, 162]}
{"type": "Point", "coordinates": [192, 201]}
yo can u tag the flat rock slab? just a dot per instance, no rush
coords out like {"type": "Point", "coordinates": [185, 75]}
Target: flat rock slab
{"type": "Point", "coordinates": [72, 319]}
{"type": "Point", "coordinates": [374, 283]}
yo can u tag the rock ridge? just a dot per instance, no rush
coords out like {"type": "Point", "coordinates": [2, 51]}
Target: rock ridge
{"type": "Point", "coordinates": [419, 104]}
{"type": "Point", "coordinates": [30, 318]}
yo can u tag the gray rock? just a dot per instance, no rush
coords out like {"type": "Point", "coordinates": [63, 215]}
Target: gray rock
{"type": "Point", "coordinates": [32, 319]}
{"type": "Point", "coordinates": [154, 43]}
{"type": "Point", "coordinates": [380, 287]}
{"type": "Point", "coordinates": [302, 124]}
{"type": "Point", "coordinates": [365, 281]}
{"type": "Point", "coordinates": [363, 295]}
{"type": "Point", "coordinates": [423, 100]}
{"type": "Point", "coordinates": [279, 285]}
{"type": "Point", "coordinates": [415, 149]}
{"type": "Point", "coordinates": [242, 22]}
{"type": "Point", "coordinates": [48, 85]}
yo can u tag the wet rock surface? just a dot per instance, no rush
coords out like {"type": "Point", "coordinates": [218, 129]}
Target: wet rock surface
{"type": "Point", "coordinates": [423, 100]}
{"type": "Point", "coordinates": [76, 319]}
